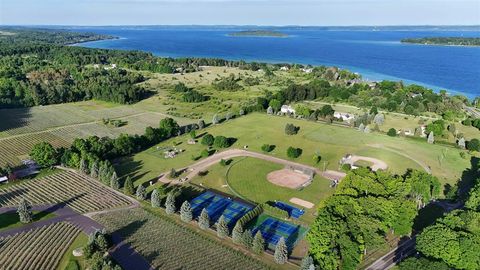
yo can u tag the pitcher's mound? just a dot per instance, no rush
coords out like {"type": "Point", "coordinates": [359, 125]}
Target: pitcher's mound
{"type": "Point", "coordinates": [289, 178]}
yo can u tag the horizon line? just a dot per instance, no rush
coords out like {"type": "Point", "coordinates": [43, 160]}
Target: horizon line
{"type": "Point", "coordinates": [251, 25]}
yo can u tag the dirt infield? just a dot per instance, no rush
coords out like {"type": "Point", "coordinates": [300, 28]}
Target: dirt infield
{"type": "Point", "coordinates": [288, 178]}
{"type": "Point", "coordinates": [301, 202]}
{"type": "Point", "coordinates": [334, 175]}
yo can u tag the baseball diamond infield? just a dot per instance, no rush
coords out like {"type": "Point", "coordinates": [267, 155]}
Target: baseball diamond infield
{"type": "Point", "coordinates": [289, 178]}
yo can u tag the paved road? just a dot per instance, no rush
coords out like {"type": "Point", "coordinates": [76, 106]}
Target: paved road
{"type": "Point", "coordinates": [121, 252]}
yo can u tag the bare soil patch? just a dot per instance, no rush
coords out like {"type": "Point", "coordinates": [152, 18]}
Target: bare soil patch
{"type": "Point", "coordinates": [288, 178]}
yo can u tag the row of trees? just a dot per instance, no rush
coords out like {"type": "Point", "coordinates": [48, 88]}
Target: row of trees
{"type": "Point", "coordinates": [364, 209]}
{"type": "Point", "coordinates": [453, 241]}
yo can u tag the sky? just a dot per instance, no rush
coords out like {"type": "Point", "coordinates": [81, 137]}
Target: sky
{"type": "Point", "coordinates": [240, 12]}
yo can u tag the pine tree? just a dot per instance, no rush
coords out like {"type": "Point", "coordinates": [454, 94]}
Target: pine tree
{"type": "Point", "coordinates": [25, 211]}
{"type": "Point", "coordinates": [215, 119]}
{"type": "Point", "coordinates": [94, 170]}
{"type": "Point", "coordinates": [461, 143]}
{"type": "Point", "coordinates": [128, 187]}
{"type": "Point", "coordinates": [204, 220]}
{"type": "Point", "coordinates": [155, 199]}
{"type": "Point", "coordinates": [269, 110]}
{"type": "Point", "coordinates": [114, 183]}
{"type": "Point", "coordinates": [102, 170]}
{"type": "Point", "coordinates": [431, 138]}
{"type": "Point", "coordinates": [141, 192]}
{"type": "Point", "coordinates": [170, 204]}
{"type": "Point", "coordinates": [361, 127]}
{"type": "Point", "coordinates": [222, 227]}
{"type": "Point", "coordinates": [83, 166]}
{"type": "Point", "coordinates": [186, 214]}
{"type": "Point", "coordinates": [247, 238]}
{"type": "Point", "coordinates": [307, 263]}
{"type": "Point", "coordinates": [258, 245]}
{"type": "Point", "coordinates": [237, 233]}
{"type": "Point", "coordinates": [281, 254]}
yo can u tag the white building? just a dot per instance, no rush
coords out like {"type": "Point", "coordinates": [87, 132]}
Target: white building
{"type": "Point", "coordinates": [307, 70]}
{"type": "Point", "coordinates": [287, 109]}
{"type": "Point", "coordinates": [284, 68]}
{"type": "Point", "coordinates": [346, 117]}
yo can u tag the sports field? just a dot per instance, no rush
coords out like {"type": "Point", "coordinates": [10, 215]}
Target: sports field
{"type": "Point", "coordinates": [330, 141]}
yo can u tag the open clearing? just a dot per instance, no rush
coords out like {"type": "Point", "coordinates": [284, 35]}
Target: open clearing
{"type": "Point", "coordinates": [79, 192]}
{"type": "Point", "coordinates": [331, 142]}
{"type": "Point", "coordinates": [40, 248]}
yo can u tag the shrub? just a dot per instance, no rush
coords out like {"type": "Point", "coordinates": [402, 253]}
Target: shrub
{"type": "Point", "coordinates": [267, 148]}
{"type": "Point", "coordinates": [205, 153]}
{"type": "Point", "coordinates": [473, 145]}
{"type": "Point", "coordinates": [221, 142]}
{"type": "Point", "coordinates": [293, 152]}
{"type": "Point", "coordinates": [392, 132]}
{"type": "Point", "coordinates": [291, 129]}
{"type": "Point", "coordinates": [346, 167]}
{"type": "Point", "coordinates": [208, 139]}
{"type": "Point", "coordinates": [275, 211]}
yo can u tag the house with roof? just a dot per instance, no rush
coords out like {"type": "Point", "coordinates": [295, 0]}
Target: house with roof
{"type": "Point", "coordinates": [346, 117]}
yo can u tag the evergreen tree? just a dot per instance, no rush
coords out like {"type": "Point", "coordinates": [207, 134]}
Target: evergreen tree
{"type": "Point", "coordinates": [307, 263]}
{"type": "Point", "coordinates": [237, 233]}
{"type": "Point", "coordinates": [431, 138]}
{"type": "Point", "coordinates": [94, 169]}
{"type": "Point", "coordinates": [186, 214]}
{"type": "Point", "coordinates": [201, 124]}
{"type": "Point", "coordinates": [204, 220]}
{"type": "Point", "coordinates": [155, 199]}
{"type": "Point", "coordinates": [141, 192]}
{"type": "Point", "coordinates": [281, 253]}
{"type": "Point", "coordinates": [258, 245]}
{"type": "Point", "coordinates": [461, 143]}
{"type": "Point", "coordinates": [269, 110]}
{"type": "Point", "coordinates": [170, 203]}
{"type": "Point", "coordinates": [361, 127]}
{"type": "Point", "coordinates": [25, 211]}
{"type": "Point", "coordinates": [114, 183]}
{"type": "Point", "coordinates": [215, 119]}
{"type": "Point", "coordinates": [222, 227]}
{"type": "Point", "coordinates": [247, 238]}
{"type": "Point", "coordinates": [83, 166]}
{"type": "Point", "coordinates": [128, 187]}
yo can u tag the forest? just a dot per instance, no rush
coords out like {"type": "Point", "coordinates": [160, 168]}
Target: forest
{"type": "Point", "coordinates": [451, 41]}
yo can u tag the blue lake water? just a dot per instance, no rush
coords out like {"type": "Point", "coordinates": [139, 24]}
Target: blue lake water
{"type": "Point", "coordinates": [376, 55]}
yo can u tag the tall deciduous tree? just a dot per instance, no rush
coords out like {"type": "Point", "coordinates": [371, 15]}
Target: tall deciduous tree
{"type": "Point", "coordinates": [44, 154]}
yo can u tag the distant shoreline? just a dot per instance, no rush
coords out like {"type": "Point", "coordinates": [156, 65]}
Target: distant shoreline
{"type": "Point", "coordinates": [445, 41]}
{"type": "Point", "coordinates": [258, 33]}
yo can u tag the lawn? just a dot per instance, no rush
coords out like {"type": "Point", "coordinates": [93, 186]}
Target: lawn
{"type": "Point", "coordinates": [11, 220]}
{"type": "Point", "coordinates": [69, 261]}
{"type": "Point", "coordinates": [330, 141]}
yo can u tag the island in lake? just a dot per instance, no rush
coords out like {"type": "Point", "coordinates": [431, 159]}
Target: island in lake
{"type": "Point", "coordinates": [258, 33]}
{"type": "Point", "coordinates": [448, 41]}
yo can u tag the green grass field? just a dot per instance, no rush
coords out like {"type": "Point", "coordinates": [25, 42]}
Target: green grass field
{"type": "Point", "coordinates": [331, 142]}
{"type": "Point", "coordinates": [68, 260]}
{"type": "Point", "coordinates": [11, 220]}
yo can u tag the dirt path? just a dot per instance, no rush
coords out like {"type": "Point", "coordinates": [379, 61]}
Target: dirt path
{"type": "Point", "coordinates": [421, 164]}
{"type": "Point", "coordinates": [377, 163]}
{"type": "Point", "coordinates": [202, 165]}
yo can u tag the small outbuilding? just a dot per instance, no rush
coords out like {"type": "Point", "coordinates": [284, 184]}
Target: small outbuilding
{"type": "Point", "coordinates": [287, 109]}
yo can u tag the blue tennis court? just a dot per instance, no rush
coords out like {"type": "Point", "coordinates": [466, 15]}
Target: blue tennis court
{"type": "Point", "coordinates": [273, 229]}
{"type": "Point", "coordinates": [292, 211]}
{"type": "Point", "coordinates": [218, 205]}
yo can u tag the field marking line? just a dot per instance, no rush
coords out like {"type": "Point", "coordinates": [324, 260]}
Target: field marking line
{"type": "Point", "coordinates": [380, 146]}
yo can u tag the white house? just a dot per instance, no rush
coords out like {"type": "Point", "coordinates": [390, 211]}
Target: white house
{"type": "Point", "coordinates": [284, 68]}
{"type": "Point", "coordinates": [287, 109]}
{"type": "Point", "coordinates": [307, 70]}
{"type": "Point", "coordinates": [346, 117]}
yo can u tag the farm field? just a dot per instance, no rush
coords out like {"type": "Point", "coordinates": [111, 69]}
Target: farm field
{"type": "Point", "coordinates": [79, 192]}
{"type": "Point", "coordinates": [40, 248]}
{"type": "Point", "coordinates": [331, 142]}
{"type": "Point", "coordinates": [167, 245]}
{"type": "Point", "coordinates": [61, 124]}
{"type": "Point", "coordinates": [68, 259]}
